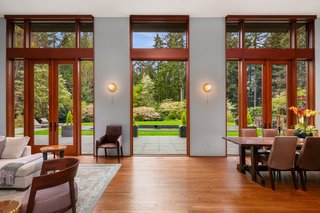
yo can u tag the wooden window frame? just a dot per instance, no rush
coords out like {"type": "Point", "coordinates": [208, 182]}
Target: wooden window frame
{"type": "Point", "coordinates": [52, 54]}
{"type": "Point", "coordinates": [292, 54]}
{"type": "Point", "coordinates": [160, 54]}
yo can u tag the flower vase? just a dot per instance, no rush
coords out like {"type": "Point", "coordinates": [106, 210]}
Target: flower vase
{"type": "Point", "coordinates": [302, 134]}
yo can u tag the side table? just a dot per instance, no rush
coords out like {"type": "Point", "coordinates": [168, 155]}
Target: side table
{"type": "Point", "coordinates": [52, 149]}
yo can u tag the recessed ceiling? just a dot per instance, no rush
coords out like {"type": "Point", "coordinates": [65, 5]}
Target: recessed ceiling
{"type": "Point", "coordinates": [194, 8]}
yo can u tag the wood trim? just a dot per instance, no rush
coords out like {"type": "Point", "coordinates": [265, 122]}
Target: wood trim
{"type": "Point", "coordinates": [293, 34]}
{"type": "Point", "coordinates": [188, 90]}
{"type": "Point", "coordinates": [269, 54]}
{"type": "Point", "coordinates": [270, 17]}
{"type": "Point", "coordinates": [77, 34]}
{"type": "Point", "coordinates": [131, 108]}
{"type": "Point", "coordinates": [10, 99]}
{"type": "Point", "coordinates": [160, 54]}
{"type": "Point", "coordinates": [49, 17]}
{"type": "Point", "coordinates": [159, 18]}
{"type": "Point", "coordinates": [27, 93]}
{"type": "Point", "coordinates": [50, 53]}
{"type": "Point", "coordinates": [26, 34]}
{"type": "Point", "coordinates": [311, 88]}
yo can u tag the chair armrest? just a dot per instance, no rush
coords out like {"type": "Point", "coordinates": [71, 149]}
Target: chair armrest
{"type": "Point", "coordinates": [119, 140]}
{"type": "Point", "coordinates": [101, 140]}
{"type": "Point", "coordinates": [26, 151]}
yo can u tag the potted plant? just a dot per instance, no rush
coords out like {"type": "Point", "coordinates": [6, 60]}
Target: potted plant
{"type": "Point", "coordinates": [183, 127]}
{"type": "Point", "coordinates": [302, 129]}
{"type": "Point", "coordinates": [135, 128]}
{"type": "Point", "coordinates": [67, 128]}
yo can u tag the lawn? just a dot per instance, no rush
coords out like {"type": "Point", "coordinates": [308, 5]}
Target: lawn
{"type": "Point", "coordinates": [153, 132]}
{"type": "Point", "coordinates": [236, 133]}
{"type": "Point", "coordinates": [165, 122]}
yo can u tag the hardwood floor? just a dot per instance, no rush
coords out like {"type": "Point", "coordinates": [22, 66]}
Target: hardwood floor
{"type": "Point", "coordinates": [199, 184]}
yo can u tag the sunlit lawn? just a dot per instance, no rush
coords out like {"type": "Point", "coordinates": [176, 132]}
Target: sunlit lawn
{"type": "Point", "coordinates": [165, 122]}
{"type": "Point", "coordinates": [158, 132]}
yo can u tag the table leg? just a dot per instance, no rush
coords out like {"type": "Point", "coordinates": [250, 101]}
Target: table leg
{"type": "Point", "coordinates": [242, 159]}
{"type": "Point", "coordinates": [254, 167]}
{"type": "Point", "coordinates": [61, 153]}
{"type": "Point", "coordinates": [45, 155]}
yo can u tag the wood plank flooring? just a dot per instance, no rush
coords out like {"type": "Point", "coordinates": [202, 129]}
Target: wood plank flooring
{"type": "Point", "coordinates": [199, 184]}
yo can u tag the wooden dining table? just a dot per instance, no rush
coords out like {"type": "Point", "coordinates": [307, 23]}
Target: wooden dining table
{"type": "Point", "coordinates": [253, 143]}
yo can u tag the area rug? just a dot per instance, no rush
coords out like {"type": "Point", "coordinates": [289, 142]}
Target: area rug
{"type": "Point", "coordinates": [92, 180]}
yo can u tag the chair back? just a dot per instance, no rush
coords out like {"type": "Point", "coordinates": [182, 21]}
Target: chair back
{"type": "Point", "coordinates": [309, 158]}
{"type": "Point", "coordinates": [269, 132]}
{"type": "Point", "coordinates": [113, 132]}
{"type": "Point", "coordinates": [249, 132]}
{"type": "Point", "coordinates": [283, 151]}
{"type": "Point", "coordinates": [288, 132]}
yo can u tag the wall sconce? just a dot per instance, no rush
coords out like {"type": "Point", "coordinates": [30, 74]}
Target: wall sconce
{"type": "Point", "coordinates": [112, 87]}
{"type": "Point", "coordinates": [207, 88]}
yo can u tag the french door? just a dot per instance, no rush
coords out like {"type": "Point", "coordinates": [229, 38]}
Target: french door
{"type": "Point", "coordinates": [266, 93]}
{"type": "Point", "coordinates": [54, 109]}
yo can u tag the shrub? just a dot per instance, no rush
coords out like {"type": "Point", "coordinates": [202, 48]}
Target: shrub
{"type": "Point", "coordinates": [145, 114]}
{"type": "Point", "coordinates": [69, 119]}
{"type": "Point", "coordinates": [249, 119]}
{"type": "Point", "coordinates": [172, 109]}
{"type": "Point", "coordinates": [87, 112]}
{"type": "Point", "coordinates": [184, 118]}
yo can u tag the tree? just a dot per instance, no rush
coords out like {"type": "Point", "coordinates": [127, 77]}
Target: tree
{"type": "Point", "coordinates": [147, 91]}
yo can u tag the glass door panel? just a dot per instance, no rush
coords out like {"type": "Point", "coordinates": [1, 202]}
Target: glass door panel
{"type": "Point", "coordinates": [279, 95]}
{"type": "Point", "coordinates": [41, 104]}
{"type": "Point", "coordinates": [65, 104]}
{"type": "Point", "coordinates": [254, 95]}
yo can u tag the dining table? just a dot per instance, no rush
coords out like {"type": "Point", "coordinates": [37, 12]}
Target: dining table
{"type": "Point", "coordinates": [254, 144]}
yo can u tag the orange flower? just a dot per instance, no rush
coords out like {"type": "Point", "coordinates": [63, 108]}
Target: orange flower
{"type": "Point", "coordinates": [294, 109]}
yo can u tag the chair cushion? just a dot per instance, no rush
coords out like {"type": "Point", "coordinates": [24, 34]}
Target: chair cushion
{"type": "Point", "coordinates": [51, 199]}
{"type": "Point", "coordinates": [2, 144]}
{"type": "Point", "coordinates": [108, 145]}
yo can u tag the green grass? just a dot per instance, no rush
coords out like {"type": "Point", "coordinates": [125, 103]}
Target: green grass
{"type": "Point", "coordinates": [165, 122]}
{"type": "Point", "coordinates": [46, 132]}
{"type": "Point", "coordinates": [158, 133]}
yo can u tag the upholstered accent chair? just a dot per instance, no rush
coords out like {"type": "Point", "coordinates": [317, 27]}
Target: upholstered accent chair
{"type": "Point", "coordinates": [309, 158]}
{"type": "Point", "coordinates": [111, 140]}
{"type": "Point", "coordinates": [270, 132]}
{"type": "Point", "coordinates": [288, 132]}
{"type": "Point", "coordinates": [55, 189]}
{"type": "Point", "coordinates": [282, 157]}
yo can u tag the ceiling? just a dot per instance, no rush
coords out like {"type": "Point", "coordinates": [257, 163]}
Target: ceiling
{"type": "Point", "coordinates": [194, 8]}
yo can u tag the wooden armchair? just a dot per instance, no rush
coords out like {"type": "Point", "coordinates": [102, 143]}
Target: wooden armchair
{"type": "Point", "coordinates": [111, 140]}
{"type": "Point", "coordinates": [54, 190]}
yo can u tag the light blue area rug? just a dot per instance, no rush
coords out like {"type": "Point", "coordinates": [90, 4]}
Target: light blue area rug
{"type": "Point", "coordinates": [92, 180]}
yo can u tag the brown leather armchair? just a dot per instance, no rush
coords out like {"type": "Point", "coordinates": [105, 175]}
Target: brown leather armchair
{"type": "Point", "coordinates": [111, 140]}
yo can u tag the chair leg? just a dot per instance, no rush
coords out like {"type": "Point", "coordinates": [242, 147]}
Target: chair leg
{"type": "Point", "coordinates": [97, 155]}
{"type": "Point", "coordinates": [72, 196]}
{"type": "Point", "coordinates": [302, 180]}
{"type": "Point", "coordinates": [305, 176]}
{"type": "Point", "coordinates": [105, 152]}
{"type": "Point", "coordinates": [118, 154]}
{"type": "Point", "coordinates": [279, 175]}
{"type": "Point", "coordinates": [271, 178]}
{"type": "Point", "coordinates": [294, 179]}
{"type": "Point", "coordinates": [121, 151]}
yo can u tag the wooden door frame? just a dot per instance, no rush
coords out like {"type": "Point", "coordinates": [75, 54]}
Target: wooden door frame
{"type": "Point", "coordinates": [291, 82]}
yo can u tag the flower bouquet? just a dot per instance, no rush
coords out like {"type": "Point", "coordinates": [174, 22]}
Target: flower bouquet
{"type": "Point", "coordinates": [302, 129]}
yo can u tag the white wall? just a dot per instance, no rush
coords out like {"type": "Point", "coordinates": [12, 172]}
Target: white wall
{"type": "Point", "coordinates": [317, 59]}
{"type": "Point", "coordinates": [2, 76]}
{"type": "Point", "coordinates": [112, 65]}
{"type": "Point", "coordinates": [207, 64]}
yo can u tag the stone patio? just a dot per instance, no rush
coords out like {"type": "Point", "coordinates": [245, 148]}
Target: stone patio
{"type": "Point", "coordinates": [155, 145]}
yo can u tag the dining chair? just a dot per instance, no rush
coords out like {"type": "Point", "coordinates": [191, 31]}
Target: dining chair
{"type": "Point", "coordinates": [55, 189]}
{"type": "Point", "coordinates": [282, 157]}
{"type": "Point", "coordinates": [111, 140]}
{"type": "Point", "coordinates": [270, 132]}
{"type": "Point", "coordinates": [248, 132]}
{"type": "Point", "coordinates": [309, 158]}
{"type": "Point", "coordinates": [288, 132]}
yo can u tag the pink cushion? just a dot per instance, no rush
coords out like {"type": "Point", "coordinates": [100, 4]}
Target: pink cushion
{"type": "Point", "coordinates": [51, 199]}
